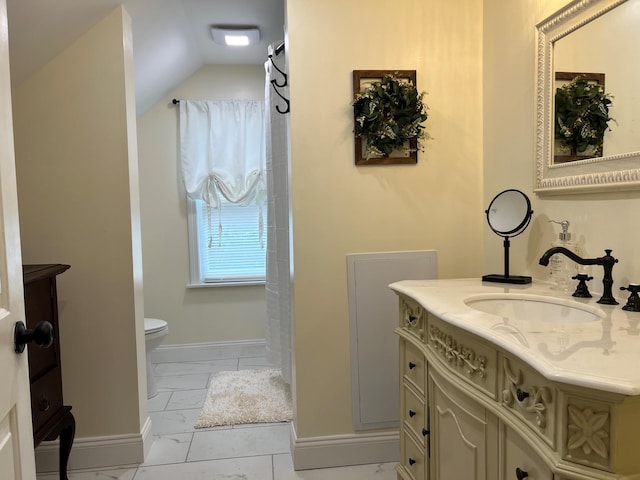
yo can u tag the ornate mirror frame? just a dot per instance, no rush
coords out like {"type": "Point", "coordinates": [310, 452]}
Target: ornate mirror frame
{"type": "Point", "coordinates": [614, 172]}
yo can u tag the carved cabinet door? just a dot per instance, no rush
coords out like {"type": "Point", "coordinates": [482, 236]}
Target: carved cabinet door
{"type": "Point", "coordinates": [463, 434]}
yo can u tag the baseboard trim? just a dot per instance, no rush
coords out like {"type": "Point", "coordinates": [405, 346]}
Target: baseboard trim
{"type": "Point", "coordinates": [344, 450]}
{"type": "Point", "coordinates": [197, 352]}
{"type": "Point", "coordinates": [147, 437]}
{"type": "Point", "coordinates": [97, 452]}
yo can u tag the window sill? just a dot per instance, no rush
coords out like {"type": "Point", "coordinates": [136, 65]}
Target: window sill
{"type": "Point", "coordinates": [248, 283]}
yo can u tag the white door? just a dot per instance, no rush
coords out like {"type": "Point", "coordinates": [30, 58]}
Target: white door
{"type": "Point", "coordinates": [16, 436]}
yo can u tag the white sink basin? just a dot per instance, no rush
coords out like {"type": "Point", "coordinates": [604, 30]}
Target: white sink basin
{"type": "Point", "coordinates": [533, 308]}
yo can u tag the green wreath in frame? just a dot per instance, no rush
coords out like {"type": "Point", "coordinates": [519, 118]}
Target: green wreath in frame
{"type": "Point", "coordinates": [387, 115]}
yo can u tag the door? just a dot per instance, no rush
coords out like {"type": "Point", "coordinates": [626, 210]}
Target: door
{"type": "Point", "coordinates": [16, 435]}
{"type": "Point", "coordinates": [463, 435]}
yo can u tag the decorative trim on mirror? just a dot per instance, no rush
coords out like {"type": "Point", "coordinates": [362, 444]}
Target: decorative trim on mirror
{"type": "Point", "coordinates": [611, 172]}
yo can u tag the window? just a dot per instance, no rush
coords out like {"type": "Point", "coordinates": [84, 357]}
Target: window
{"type": "Point", "coordinates": [234, 256]}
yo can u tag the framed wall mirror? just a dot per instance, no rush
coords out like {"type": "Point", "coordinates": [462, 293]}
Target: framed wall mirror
{"type": "Point", "coordinates": [587, 52]}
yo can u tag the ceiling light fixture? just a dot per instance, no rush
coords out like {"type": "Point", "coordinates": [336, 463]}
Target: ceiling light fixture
{"type": "Point", "coordinates": [235, 36]}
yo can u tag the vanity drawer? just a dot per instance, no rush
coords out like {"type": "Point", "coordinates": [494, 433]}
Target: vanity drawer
{"type": "Point", "coordinates": [46, 398]}
{"type": "Point", "coordinates": [413, 365]}
{"type": "Point", "coordinates": [519, 456]}
{"type": "Point", "coordinates": [414, 461]}
{"type": "Point", "coordinates": [414, 417]}
{"type": "Point", "coordinates": [529, 396]}
{"type": "Point", "coordinates": [465, 354]}
{"type": "Point", "coordinates": [412, 317]}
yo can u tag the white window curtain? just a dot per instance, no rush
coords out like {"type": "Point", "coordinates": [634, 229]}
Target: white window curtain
{"type": "Point", "coordinates": [222, 148]}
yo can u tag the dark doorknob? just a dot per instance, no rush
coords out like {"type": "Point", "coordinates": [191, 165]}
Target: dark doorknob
{"type": "Point", "coordinates": [42, 335]}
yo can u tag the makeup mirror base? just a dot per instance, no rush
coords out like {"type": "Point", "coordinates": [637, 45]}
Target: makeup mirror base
{"type": "Point", "coordinates": [515, 279]}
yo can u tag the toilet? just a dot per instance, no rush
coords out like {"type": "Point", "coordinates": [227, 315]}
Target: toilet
{"type": "Point", "coordinates": [154, 332]}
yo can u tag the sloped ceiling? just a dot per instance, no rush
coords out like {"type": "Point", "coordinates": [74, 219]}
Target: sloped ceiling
{"type": "Point", "coordinates": [171, 38]}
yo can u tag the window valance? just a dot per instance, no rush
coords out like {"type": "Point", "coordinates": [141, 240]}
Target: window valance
{"type": "Point", "coordinates": [222, 150]}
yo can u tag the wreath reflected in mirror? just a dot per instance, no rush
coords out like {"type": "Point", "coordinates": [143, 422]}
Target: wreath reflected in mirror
{"type": "Point", "coordinates": [582, 115]}
{"type": "Point", "coordinates": [388, 119]}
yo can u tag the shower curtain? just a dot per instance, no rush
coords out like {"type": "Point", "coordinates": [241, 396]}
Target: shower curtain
{"type": "Point", "coordinates": [278, 282]}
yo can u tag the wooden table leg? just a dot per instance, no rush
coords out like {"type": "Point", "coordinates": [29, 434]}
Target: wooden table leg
{"type": "Point", "coordinates": [67, 434]}
{"type": "Point", "coordinates": [65, 428]}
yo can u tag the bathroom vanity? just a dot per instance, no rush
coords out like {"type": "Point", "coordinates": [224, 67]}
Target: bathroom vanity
{"type": "Point", "coordinates": [516, 381]}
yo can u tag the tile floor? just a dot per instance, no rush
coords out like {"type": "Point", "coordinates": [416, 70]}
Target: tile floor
{"type": "Point", "coordinates": [247, 452]}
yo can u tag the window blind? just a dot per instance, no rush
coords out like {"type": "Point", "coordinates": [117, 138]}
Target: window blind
{"type": "Point", "coordinates": [234, 252]}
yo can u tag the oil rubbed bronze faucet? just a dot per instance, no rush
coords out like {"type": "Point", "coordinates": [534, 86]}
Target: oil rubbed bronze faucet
{"type": "Point", "coordinates": [607, 263]}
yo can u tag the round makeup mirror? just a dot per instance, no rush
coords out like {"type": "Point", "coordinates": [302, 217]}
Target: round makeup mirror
{"type": "Point", "coordinates": [508, 215]}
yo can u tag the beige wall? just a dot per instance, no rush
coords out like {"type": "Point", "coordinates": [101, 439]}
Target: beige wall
{"type": "Point", "coordinates": [339, 208]}
{"type": "Point", "coordinates": [77, 186]}
{"type": "Point", "coordinates": [194, 314]}
{"type": "Point", "coordinates": [598, 221]}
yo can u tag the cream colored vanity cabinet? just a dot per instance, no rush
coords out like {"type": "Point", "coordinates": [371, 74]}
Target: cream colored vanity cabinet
{"type": "Point", "coordinates": [414, 414]}
{"type": "Point", "coordinates": [471, 410]}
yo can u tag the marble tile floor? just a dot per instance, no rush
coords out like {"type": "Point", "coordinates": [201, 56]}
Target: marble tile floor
{"type": "Point", "coordinates": [244, 452]}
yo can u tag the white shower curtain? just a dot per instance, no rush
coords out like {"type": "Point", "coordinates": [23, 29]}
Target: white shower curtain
{"type": "Point", "coordinates": [278, 283]}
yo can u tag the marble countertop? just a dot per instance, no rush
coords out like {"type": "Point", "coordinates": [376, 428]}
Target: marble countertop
{"type": "Point", "coordinates": [603, 354]}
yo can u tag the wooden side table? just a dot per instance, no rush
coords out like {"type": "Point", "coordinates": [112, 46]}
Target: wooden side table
{"type": "Point", "coordinates": [51, 418]}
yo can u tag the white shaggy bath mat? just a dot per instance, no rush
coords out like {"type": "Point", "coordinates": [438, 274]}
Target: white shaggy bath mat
{"type": "Point", "coordinates": [246, 396]}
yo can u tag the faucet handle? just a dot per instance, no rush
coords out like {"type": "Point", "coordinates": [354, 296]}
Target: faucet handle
{"type": "Point", "coordinates": [632, 287]}
{"type": "Point", "coordinates": [607, 252]}
{"type": "Point", "coordinates": [581, 289]}
{"type": "Point", "coordinates": [633, 302]}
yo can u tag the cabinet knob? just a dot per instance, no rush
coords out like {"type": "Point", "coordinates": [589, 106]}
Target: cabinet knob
{"type": "Point", "coordinates": [42, 335]}
{"type": "Point", "coordinates": [425, 432]}
{"type": "Point", "coordinates": [411, 461]}
{"type": "Point", "coordinates": [521, 474]}
{"type": "Point", "coordinates": [412, 365]}
{"type": "Point", "coordinates": [412, 413]}
{"type": "Point", "coordinates": [521, 395]}
{"type": "Point", "coordinates": [44, 404]}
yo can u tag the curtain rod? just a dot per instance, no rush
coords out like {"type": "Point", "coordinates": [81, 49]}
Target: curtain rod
{"type": "Point", "coordinates": [279, 50]}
